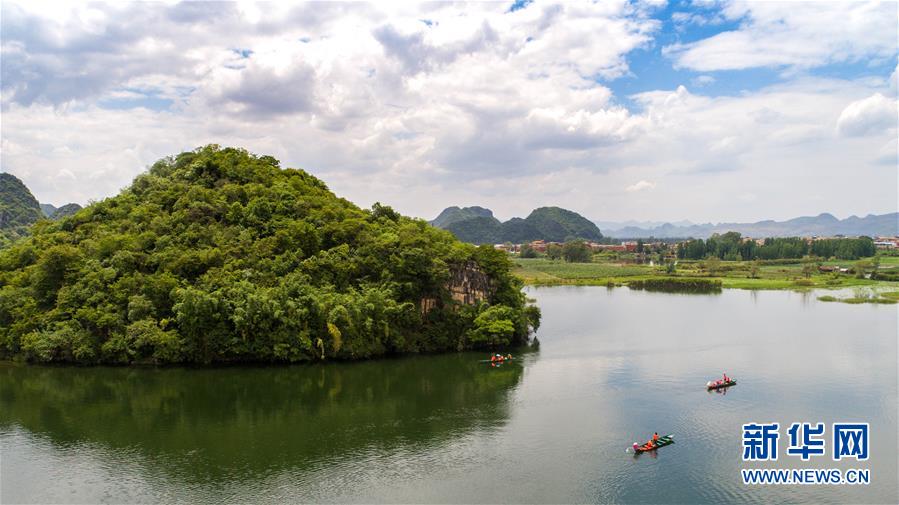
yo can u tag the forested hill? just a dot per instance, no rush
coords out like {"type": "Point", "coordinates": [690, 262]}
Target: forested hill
{"type": "Point", "coordinates": [477, 225]}
{"type": "Point", "coordinates": [59, 212]}
{"type": "Point", "coordinates": [218, 255]}
{"type": "Point", "coordinates": [455, 214]}
{"type": "Point", "coordinates": [18, 208]}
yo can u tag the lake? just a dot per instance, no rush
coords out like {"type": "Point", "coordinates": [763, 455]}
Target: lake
{"type": "Point", "coordinates": [614, 366]}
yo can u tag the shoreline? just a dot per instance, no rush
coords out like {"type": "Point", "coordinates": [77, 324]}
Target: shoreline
{"type": "Point", "coordinates": [727, 275]}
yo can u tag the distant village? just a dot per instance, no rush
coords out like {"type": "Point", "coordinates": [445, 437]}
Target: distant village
{"type": "Point", "coordinates": [669, 247]}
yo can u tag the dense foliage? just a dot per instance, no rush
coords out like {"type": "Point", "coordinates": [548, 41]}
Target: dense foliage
{"type": "Point", "coordinates": [477, 225]}
{"type": "Point", "coordinates": [477, 230]}
{"type": "Point", "coordinates": [731, 246]}
{"type": "Point", "coordinates": [65, 211]}
{"type": "Point", "coordinates": [558, 225]}
{"type": "Point", "coordinates": [18, 209]}
{"type": "Point", "coordinates": [217, 255]}
{"type": "Point", "coordinates": [576, 251]}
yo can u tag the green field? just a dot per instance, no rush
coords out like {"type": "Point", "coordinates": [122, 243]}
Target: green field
{"type": "Point", "coordinates": [733, 274]}
{"type": "Point", "coordinates": [534, 270]}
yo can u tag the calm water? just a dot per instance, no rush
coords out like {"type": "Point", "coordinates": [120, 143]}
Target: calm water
{"type": "Point", "coordinates": [614, 366]}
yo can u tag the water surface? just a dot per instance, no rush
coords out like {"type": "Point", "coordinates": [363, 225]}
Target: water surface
{"type": "Point", "coordinates": [614, 366]}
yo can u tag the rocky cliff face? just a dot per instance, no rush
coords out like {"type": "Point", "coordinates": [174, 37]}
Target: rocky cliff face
{"type": "Point", "coordinates": [467, 285]}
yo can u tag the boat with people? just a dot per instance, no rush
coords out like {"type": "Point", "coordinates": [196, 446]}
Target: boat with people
{"type": "Point", "coordinates": [654, 443]}
{"type": "Point", "coordinates": [719, 384]}
{"type": "Point", "coordinates": [498, 358]}
{"type": "Point", "coordinates": [723, 382]}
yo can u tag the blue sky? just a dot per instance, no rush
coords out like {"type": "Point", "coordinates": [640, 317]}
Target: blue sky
{"type": "Point", "coordinates": [711, 112]}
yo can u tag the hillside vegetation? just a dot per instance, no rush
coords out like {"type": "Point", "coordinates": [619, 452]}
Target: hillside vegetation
{"type": "Point", "coordinates": [218, 255]}
{"type": "Point", "coordinates": [18, 209]}
{"type": "Point", "coordinates": [58, 213]}
{"type": "Point", "coordinates": [477, 225]}
{"type": "Point", "coordinates": [452, 215]}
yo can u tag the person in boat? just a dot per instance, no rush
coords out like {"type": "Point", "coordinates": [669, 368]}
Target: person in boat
{"type": "Point", "coordinates": [509, 356]}
{"type": "Point", "coordinates": [636, 447]}
{"type": "Point", "coordinates": [726, 378]}
{"type": "Point", "coordinates": [493, 358]}
{"type": "Point", "coordinates": [655, 438]}
{"type": "Point", "coordinates": [648, 445]}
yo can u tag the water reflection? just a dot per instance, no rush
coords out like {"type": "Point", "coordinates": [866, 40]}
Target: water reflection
{"type": "Point", "coordinates": [222, 425]}
{"type": "Point", "coordinates": [614, 367]}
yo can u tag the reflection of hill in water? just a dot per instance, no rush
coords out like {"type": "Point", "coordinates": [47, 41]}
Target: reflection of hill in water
{"type": "Point", "coordinates": [241, 421]}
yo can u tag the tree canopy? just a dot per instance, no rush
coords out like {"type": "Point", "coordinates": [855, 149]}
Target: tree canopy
{"type": "Point", "coordinates": [731, 246]}
{"type": "Point", "coordinates": [218, 255]}
{"type": "Point", "coordinates": [18, 208]}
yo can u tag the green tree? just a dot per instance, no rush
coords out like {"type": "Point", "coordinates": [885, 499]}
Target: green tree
{"type": "Point", "coordinates": [808, 269]}
{"type": "Point", "coordinates": [671, 267]}
{"type": "Point", "coordinates": [862, 268]}
{"type": "Point", "coordinates": [712, 265]}
{"type": "Point", "coordinates": [493, 327]}
{"type": "Point", "coordinates": [527, 251]}
{"type": "Point", "coordinates": [754, 268]}
{"type": "Point", "coordinates": [554, 251]}
{"type": "Point", "coordinates": [218, 255]}
{"type": "Point", "coordinates": [577, 251]}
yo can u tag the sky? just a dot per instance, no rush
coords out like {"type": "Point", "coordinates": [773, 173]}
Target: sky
{"type": "Point", "coordinates": [710, 112]}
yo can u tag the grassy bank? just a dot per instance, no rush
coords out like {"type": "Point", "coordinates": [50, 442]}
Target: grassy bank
{"type": "Point", "coordinates": [864, 296]}
{"type": "Point", "coordinates": [731, 274]}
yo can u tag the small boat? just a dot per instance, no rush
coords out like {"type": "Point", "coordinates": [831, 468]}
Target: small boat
{"type": "Point", "coordinates": [662, 442]}
{"type": "Point", "coordinates": [495, 360]}
{"type": "Point", "coordinates": [720, 384]}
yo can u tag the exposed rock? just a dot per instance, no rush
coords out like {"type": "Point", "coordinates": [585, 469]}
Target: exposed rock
{"type": "Point", "coordinates": [467, 285]}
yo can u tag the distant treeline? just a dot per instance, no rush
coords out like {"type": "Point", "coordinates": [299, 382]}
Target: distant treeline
{"type": "Point", "coordinates": [731, 246]}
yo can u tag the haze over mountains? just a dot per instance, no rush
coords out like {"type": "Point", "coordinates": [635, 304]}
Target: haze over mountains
{"type": "Point", "coordinates": [821, 225]}
{"type": "Point", "coordinates": [478, 225]}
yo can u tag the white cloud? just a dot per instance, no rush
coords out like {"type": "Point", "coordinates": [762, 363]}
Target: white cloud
{"type": "Point", "coordinates": [794, 34]}
{"type": "Point", "coordinates": [423, 106]}
{"type": "Point", "coordinates": [640, 186]}
{"type": "Point", "coordinates": [874, 114]}
{"type": "Point", "coordinates": [702, 80]}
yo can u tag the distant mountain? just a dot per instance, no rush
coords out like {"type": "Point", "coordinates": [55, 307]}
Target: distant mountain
{"type": "Point", "coordinates": [553, 224]}
{"type": "Point", "coordinates": [610, 226]}
{"type": "Point", "coordinates": [48, 209]}
{"type": "Point", "coordinates": [18, 208]}
{"type": "Point", "coordinates": [820, 225]}
{"type": "Point", "coordinates": [64, 211]}
{"type": "Point", "coordinates": [477, 230]}
{"type": "Point", "coordinates": [453, 214]}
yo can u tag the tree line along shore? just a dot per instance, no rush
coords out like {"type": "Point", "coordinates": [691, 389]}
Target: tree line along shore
{"type": "Point", "coordinates": [728, 261]}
